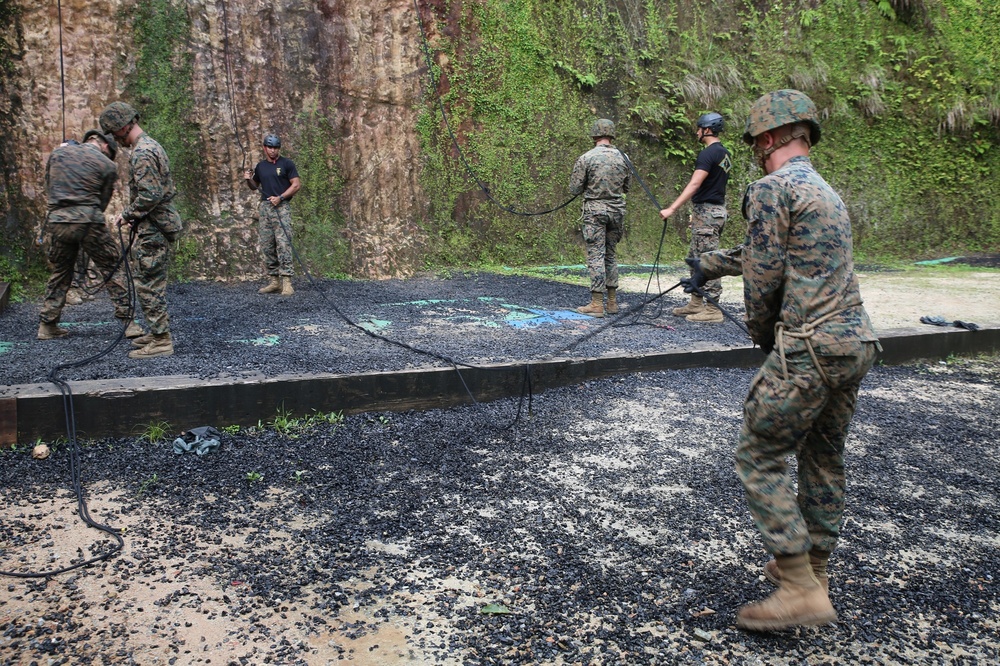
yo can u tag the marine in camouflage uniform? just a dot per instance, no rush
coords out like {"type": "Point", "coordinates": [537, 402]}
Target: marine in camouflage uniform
{"type": "Point", "coordinates": [804, 309]}
{"type": "Point", "coordinates": [602, 176]}
{"type": "Point", "coordinates": [157, 222]}
{"type": "Point", "coordinates": [79, 181]}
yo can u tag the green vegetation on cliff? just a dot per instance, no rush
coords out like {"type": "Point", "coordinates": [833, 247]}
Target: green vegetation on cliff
{"type": "Point", "coordinates": [906, 89]}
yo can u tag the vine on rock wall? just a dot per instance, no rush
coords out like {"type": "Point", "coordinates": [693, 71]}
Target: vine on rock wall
{"type": "Point", "coordinates": [159, 86]}
{"type": "Point", "coordinates": [907, 95]}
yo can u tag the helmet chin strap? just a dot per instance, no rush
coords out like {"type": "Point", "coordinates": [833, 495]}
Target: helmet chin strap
{"type": "Point", "coordinates": [761, 154]}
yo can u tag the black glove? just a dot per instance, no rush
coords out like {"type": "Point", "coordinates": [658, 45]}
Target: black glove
{"type": "Point", "coordinates": [697, 280]}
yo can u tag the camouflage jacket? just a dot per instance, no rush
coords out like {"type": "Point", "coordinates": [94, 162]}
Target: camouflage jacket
{"type": "Point", "coordinates": [602, 175]}
{"type": "Point", "coordinates": [78, 176]}
{"type": "Point", "coordinates": [797, 262]}
{"type": "Point", "coordinates": [149, 183]}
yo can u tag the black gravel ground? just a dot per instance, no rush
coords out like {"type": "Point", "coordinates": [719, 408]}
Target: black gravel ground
{"type": "Point", "coordinates": [610, 524]}
{"type": "Point", "coordinates": [223, 330]}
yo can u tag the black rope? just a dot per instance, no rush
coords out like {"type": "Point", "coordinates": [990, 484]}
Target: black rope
{"type": "Point", "coordinates": [62, 70]}
{"type": "Point", "coordinates": [229, 82]}
{"type": "Point", "coordinates": [55, 376]}
{"type": "Point", "coordinates": [454, 139]}
{"type": "Point", "coordinates": [441, 357]}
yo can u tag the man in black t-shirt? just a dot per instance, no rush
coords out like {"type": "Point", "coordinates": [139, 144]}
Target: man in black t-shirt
{"type": "Point", "coordinates": [278, 181]}
{"type": "Point", "coordinates": [707, 192]}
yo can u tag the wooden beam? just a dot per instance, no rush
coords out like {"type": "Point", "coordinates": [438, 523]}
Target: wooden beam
{"type": "Point", "coordinates": [123, 407]}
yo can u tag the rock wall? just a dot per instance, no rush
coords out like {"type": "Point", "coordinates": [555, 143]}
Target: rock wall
{"type": "Point", "coordinates": [257, 66]}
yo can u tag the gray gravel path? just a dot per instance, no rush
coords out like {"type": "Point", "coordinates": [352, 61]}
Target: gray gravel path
{"type": "Point", "coordinates": [223, 330]}
{"type": "Point", "coordinates": [610, 524]}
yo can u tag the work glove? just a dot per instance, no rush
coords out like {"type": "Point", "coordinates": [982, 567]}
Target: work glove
{"type": "Point", "coordinates": [693, 284]}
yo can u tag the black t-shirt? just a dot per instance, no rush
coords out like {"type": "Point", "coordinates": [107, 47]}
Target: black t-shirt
{"type": "Point", "coordinates": [275, 178]}
{"type": "Point", "coordinates": [716, 161]}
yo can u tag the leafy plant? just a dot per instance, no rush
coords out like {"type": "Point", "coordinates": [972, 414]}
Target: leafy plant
{"type": "Point", "coordinates": [254, 477]}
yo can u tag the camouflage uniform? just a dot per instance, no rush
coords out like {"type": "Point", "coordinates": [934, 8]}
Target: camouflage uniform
{"type": "Point", "coordinates": [803, 307]}
{"type": "Point", "coordinates": [151, 190]}
{"type": "Point", "coordinates": [602, 175]}
{"type": "Point", "coordinates": [79, 180]}
{"type": "Point", "coordinates": [707, 223]}
{"type": "Point", "coordinates": [275, 227]}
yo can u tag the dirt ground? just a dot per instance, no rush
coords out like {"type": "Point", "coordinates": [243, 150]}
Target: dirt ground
{"type": "Point", "coordinates": [899, 299]}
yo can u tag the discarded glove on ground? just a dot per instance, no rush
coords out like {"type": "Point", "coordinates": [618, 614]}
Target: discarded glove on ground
{"type": "Point", "coordinates": [941, 321]}
{"type": "Point", "coordinates": [200, 440]}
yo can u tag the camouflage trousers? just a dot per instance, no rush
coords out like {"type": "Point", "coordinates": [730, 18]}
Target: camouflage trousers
{"type": "Point", "coordinates": [602, 231]}
{"type": "Point", "coordinates": [707, 222]}
{"type": "Point", "coordinates": [807, 418]}
{"type": "Point", "coordinates": [275, 243]}
{"type": "Point", "coordinates": [152, 255]}
{"type": "Point", "coordinates": [65, 244]}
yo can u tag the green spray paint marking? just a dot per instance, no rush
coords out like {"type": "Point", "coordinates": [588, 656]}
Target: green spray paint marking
{"type": "Point", "coordinates": [6, 347]}
{"type": "Point", "coordinates": [263, 341]}
{"type": "Point", "coordinates": [934, 262]}
{"type": "Point", "coordinates": [373, 325]}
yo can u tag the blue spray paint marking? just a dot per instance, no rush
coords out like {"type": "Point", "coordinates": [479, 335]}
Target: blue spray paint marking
{"type": "Point", "coordinates": [517, 316]}
{"type": "Point", "coordinates": [520, 317]}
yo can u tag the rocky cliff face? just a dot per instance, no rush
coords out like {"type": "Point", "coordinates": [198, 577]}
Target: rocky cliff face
{"type": "Point", "coordinates": [250, 67]}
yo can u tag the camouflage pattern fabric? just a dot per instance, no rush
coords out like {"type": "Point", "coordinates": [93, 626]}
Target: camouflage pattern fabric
{"type": "Point", "coordinates": [275, 244]}
{"type": "Point", "coordinates": [79, 182]}
{"type": "Point", "coordinates": [151, 190]}
{"type": "Point", "coordinates": [602, 176]}
{"type": "Point", "coordinates": [797, 268]}
{"type": "Point", "coordinates": [602, 231]}
{"type": "Point", "coordinates": [797, 262]}
{"type": "Point", "coordinates": [78, 175]}
{"type": "Point", "coordinates": [66, 241]}
{"type": "Point", "coordinates": [707, 223]}
{"type": "Point", "coordinates": [152, 255]}
{"type": "Point", "coordinates": [807, 418]}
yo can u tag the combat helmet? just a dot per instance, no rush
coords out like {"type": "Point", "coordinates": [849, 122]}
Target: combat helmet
{"type": "Point", "coordinates": [713, 121]}
{"type": "Point", "coordinates": [108, 139]}
{"type": "Point", "coordinates": [782, 107]}
{"type": "Point", "coordinates": [272, 141]}
{"type": "Point", "coordinates": [602, 127]}
{"type": "Point", "coordinates": [116, 116]}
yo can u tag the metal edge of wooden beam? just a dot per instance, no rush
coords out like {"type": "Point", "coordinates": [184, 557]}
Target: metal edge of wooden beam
{"type": "Point", "coordinates": [123, 407]}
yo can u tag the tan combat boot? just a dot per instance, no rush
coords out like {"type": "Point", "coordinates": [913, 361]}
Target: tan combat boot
{"type": "Point", "coordinates": [286, 286]}
{"type": "Point", "coordinates": [51, 331]}
{"type": "Point", "coordinates": [818, 560]}
{"type": "Point", "coordinates": [596, 307]}
{"type": "Point", "coordinates": [142, 340]}
{"type": "Point", "coordinates": [799, 601]}
{"type": "Point", "coordinates": [132, 329]}
{"type": "Point", "coordinates": [272, 287]}
{"type": "Point", "coordinates": [708, 315]}
{"type": "Point", "coordinates": [696, 305]}
{"type": "Point", "coordinates": [74, 297]}
{"type": "Point", "coordinates": [160, 345]}
{"type": "Point", "coordinates": [612, 300]}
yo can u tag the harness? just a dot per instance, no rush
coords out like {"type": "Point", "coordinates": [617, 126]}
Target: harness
{"type": "Point", "coordinates": [805, 333]}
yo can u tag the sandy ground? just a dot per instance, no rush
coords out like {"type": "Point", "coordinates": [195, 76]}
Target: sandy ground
{"type": "Point", "coordinates": [900, 299]}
